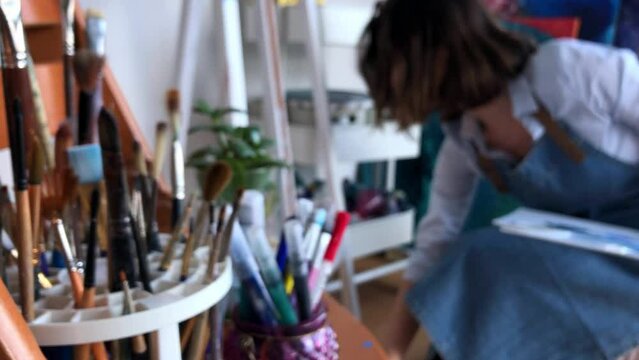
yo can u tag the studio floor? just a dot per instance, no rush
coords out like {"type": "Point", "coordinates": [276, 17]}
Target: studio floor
{"type": "Point", "coordinates": [377, 297]}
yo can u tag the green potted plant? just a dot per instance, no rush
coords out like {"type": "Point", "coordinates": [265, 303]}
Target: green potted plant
{"type": "Point", "coordinates": [245, 149]}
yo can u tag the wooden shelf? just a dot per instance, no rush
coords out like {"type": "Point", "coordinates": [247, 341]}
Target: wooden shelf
{"type": "Point", "coordinates": [43, 28]}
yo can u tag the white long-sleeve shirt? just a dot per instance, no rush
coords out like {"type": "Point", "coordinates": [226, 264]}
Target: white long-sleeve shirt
{"type": "Point", "coordinates": [591, 88]}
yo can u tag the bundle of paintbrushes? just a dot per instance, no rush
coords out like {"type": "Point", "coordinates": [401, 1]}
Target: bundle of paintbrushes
{"type": "Point", "coordinates": [280, 296]}
{"type": "Point", "coordinates": [84, 222]}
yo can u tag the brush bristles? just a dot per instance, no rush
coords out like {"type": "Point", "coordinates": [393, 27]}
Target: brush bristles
{"type": "Point", "coordinates": [122, 275]}
{"type": "Point", "coordinates": [238, 198]}
{"type": "Point", "coordinates": [140, 161]}
{"type": "Point", "coordinates": [94, 13]}
{"type": "Point", "coordinates": [217, 178]}
{"type": "Point", "coordinates": [87, 67]}
{"type": "Point", "coordinates": [173, 100]}
{"type": "Point", "coordinates": [161, 143]}
{"type": "Point", "coordinates": [63, 141]}
{"type": "Point", "coordinates": [36, 162]}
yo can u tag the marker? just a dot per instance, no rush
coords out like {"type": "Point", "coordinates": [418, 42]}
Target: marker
{"type": "Point", "coordinates": [293, 232]}
{"type": "Point", "coordinates": [316, 264]}
{"type": "Point", "coordinates": [249, 273]}
{"type": "Point", "coordinates": [341, 223]}
{"type": "Point", "coordinates": [311, 237]}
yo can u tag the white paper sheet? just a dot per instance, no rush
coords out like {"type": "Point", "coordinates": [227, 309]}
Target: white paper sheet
{"type": "Point", "coordinates": [571, 231]}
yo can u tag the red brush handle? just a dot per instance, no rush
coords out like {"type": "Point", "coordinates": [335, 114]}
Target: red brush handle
{"type": "Point", "coordinates": [341, 223]}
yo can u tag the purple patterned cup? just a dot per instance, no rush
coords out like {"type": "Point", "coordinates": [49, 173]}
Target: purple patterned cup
{"type": "Point", "coordinates": [313, 339]}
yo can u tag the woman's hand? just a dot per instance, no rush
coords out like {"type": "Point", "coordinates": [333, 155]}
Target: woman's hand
{"type": "Point", "coordinates": [401, 326]}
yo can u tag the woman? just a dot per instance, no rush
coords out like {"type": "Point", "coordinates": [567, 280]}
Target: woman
{"type": "Point", "coordinates": [557, 126]}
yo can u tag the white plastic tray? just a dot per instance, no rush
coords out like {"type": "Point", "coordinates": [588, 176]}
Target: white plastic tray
{"type": "Point", "coordinates": [58, 323]}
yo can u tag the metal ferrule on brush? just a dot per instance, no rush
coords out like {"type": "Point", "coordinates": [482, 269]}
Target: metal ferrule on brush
{"type": "Point", "coordinates": [177, 175]}
{"type": "Point", "coordinates": [96, 34]}
{"type": "Point", "coordinates": [14, 47]}
{"type": "Point", "coordinates": [68, 10]}
{"type": "Point", "coordinates": [66, 245]}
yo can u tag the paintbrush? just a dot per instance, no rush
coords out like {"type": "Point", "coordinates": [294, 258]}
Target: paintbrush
{"type": "Point", "coordinates": [177, 155]}
{"type": "Point", "coordinates": [217, 178]}
{"type": "Point", "coordinates": [16, 341]}
{"type": "Point", "coordinates": [15, 74]}
{"type": "Point", "coordinates": [96, 28]}
{"type": "Point", "coordinates": [140, 246]}
{"type": "Point", "coordinates": [161, 142]}
{"type": "Point", "coordinates": [67, 209]}
{"type": "Point", "coordinates": [228, 229]}
{"type": "Point", "coordinates": [23, 237]}
{"type": "Point", "coordinates": [198, 340]}
{"type": "Point", "coordinates": [142, 173]}
{"type": "Point", "coordinates": [138, 342]}
{"type": "Point", "coordinates": [8, 213]}
{"type": "Point", "coordinates": [88, 297]}
{"type": "Point", "coordinates": [120, 231]}
{"type": "Point", "coordinates": [36, 170]}
{"type": "Point", "coordinates": [74, 273]}
{"type": "Point", "coordinates": [213, 271]}
{"type": "Point", "coordinates": [67, 8]}
{"type": "Point", "coordinates": [87, 67]}
{"type": "Point", "coordinates": [167, 256]}
{"type": "Point", "coordinates": [212, 265]}
{"type": "Point", "coordinates": [81, 352]}
{"type": "Point", "coordinates": [63, 141]}
{"type": "Point", "coordinates": [42, 124]}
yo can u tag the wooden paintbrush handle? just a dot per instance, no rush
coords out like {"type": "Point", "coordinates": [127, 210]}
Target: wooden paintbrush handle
{"type": "Point", "coordinates": [17, 85]}
{"type": "Point", "coordinates": [81, 352]}
{"type": "Point", "coordinates": [16, 340]}
{"type": "Point", "coordinates": [186, 257]}
{"type": "Point", "coordinates": [153, 240]}
{"type": "Point", "coordinates": [139, 344]}
{"type": "Point", "coordinates": [77, 288]}
{"type": "Point", "coordinates": [35, 204]}
{"type": "Point", "coordinates": [198, 340]}
{"type": "Point", "coordinates": [187, 331]}
{"type": "Point", "coordinates": [25, 255]}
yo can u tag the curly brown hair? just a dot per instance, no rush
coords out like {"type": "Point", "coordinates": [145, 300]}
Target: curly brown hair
{"type": "Point", "coordinates": [419, 56]}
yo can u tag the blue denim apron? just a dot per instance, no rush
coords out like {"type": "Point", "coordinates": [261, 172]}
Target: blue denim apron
{"type": "Point", "coordinates": [497, 296]}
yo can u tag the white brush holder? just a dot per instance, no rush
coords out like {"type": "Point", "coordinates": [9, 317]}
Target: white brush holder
{"type": "Point", "coordinates": [57, 323]}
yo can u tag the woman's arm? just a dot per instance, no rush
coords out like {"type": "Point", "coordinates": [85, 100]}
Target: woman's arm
{"type": "Point", "coordinates": [452, 191]}
{"type": "Point", "coordinates": [401, 327]}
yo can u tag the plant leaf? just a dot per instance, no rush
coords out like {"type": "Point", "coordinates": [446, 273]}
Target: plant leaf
{"type": "Point", "coordinates": [241, 148]}
{"type": "Point", "coordinates": [214, 128]}
{"type": "Point", "coordinates": [202, 107]}
{"type": "Point", "coordinates": [217, 114]}
{"type": "Point", "coordinates": [265, 162]}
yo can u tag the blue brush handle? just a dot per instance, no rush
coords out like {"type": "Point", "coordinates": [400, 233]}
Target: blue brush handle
{"type": "Point", "coordinates": [282, 254]}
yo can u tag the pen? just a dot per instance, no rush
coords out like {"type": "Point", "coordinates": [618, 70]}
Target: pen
{"type": "Point", "coordinates": [298, 267]}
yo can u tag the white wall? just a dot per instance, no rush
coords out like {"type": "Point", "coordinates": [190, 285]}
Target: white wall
{"type": "Point", "coordinates": [142, 38]}
{"type": "Point", "coordinates": [142, 43]}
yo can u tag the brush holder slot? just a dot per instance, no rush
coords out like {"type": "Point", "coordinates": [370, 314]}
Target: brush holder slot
{"type": "Point", "coordinates": [58, 323]}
